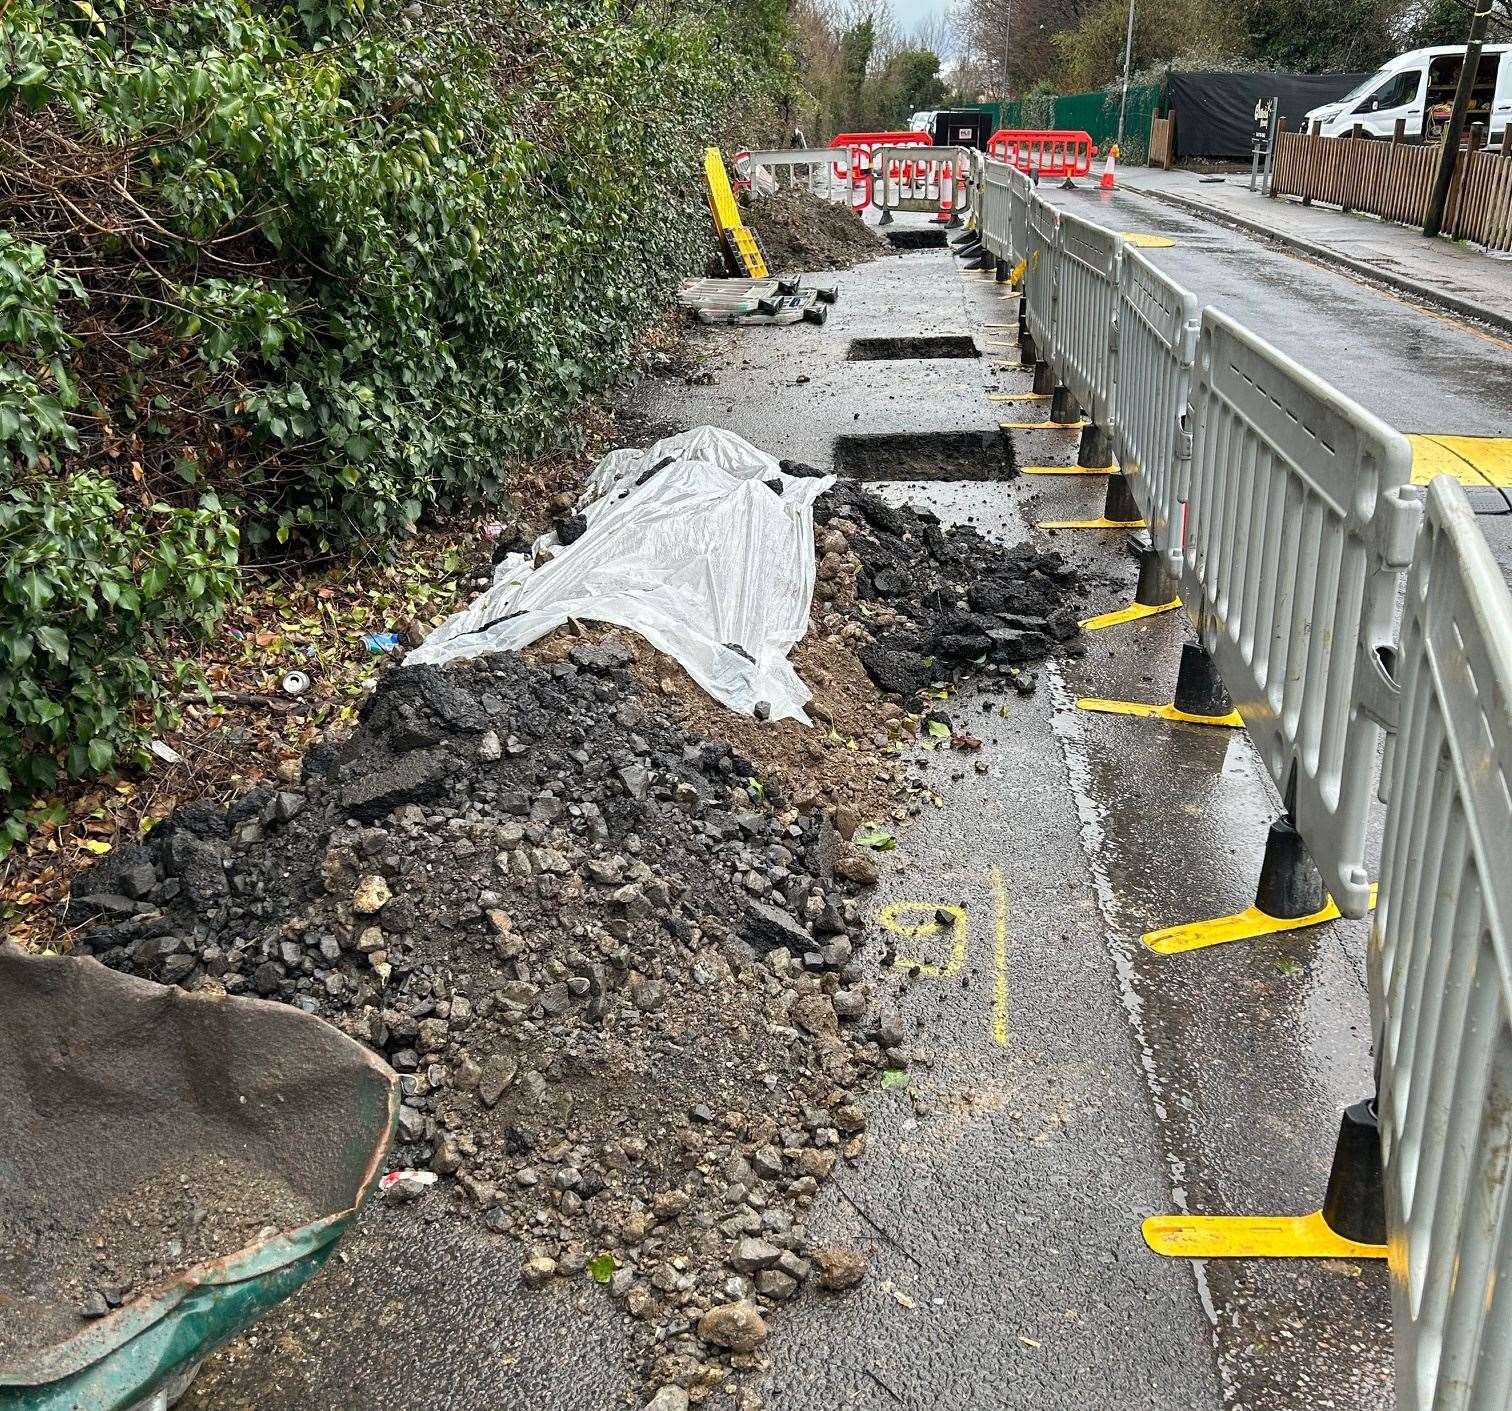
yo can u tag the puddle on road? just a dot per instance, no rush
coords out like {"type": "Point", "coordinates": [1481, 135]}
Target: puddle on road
{"type": "Point", "coordinates": [934, 455]}
{"type": "Point", "coordinates": [868, 350]}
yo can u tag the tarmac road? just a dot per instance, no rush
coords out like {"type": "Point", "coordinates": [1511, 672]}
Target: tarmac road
{"type": "Point", "coordinates": [1073, 1082]}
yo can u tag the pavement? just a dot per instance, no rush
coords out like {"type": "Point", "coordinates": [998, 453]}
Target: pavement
{"type": "Point", "coordinates": [1076, 1082]}
{"type": "Point", "coordinates": [1448, 273]}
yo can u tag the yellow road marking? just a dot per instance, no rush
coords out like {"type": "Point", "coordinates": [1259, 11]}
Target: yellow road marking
{"type": "Point", "coordinates": [1000, 958]}
{"type": "Point", "coordinates": [1147, 242]}
{"type": "Point", "coordinates": [896, 917]}
{"type": "Point", "coordinates": [1252, 1237]}
{"type": "Point", "coordinates": [1472, 460]}
{"type": "Point", "coordinates": [891, 919]}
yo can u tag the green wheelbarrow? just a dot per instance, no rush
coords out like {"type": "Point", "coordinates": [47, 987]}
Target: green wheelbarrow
{"type": "Point", "coordinates": [171, 1166]}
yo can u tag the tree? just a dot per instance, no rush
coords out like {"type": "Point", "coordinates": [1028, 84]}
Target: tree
{"type": "Point", "coordinates": [1301, 35]}
{"type": "Point", "coordinates": [856, 46]}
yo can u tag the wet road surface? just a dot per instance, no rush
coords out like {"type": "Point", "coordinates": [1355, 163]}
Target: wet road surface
{"type": "Point", "coordinates": [1073, 1082]}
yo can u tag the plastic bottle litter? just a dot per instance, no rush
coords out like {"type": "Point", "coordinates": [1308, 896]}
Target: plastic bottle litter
{"type": "Point", "coordinates": [380, 643]}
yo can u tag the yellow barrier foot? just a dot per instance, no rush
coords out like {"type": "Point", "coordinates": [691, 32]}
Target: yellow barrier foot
{"type": "Point", "coordinates": [1091, 524]}
{"type": "Point", "coordinates": [1232, 721]}
{"type": "Point", "coordinates": [1018, 397]}
{"type": "Point", "coordinates": [1040, 425]}
{"type": "Point", "coordinates": [1247, 925]}
{"type": "Point", "coordinates": [1132, 613]}
{"type": "Point", "coordinates": [1067, 469]}
{"type": "Point", "coordinates": [1252, 1237]}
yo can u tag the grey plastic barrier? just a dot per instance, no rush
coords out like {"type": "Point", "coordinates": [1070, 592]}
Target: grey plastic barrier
{"type": "Point", "coordinates": [1020, 193]}
{"type": "Point", "coordinates": [1299, 521]}
{"type": "Point", "coordinates": [1084, 351]}
{"type": "Point", "coordinates": [993, 215]}
{"type": "Point", "coordinates": [814, 168]}
{"type": "Point", "coordinates": [908, 178]}
{"type": "Point", "coordinates": [1440, 968]}
{"type": "Point", "coordinates": [1041, 246]}
{"type": "Point", "coordinates": [1158, 323]}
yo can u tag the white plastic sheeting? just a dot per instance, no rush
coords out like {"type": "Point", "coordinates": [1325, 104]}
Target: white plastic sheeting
{"type": "Point", "coordinates": [686, 544]}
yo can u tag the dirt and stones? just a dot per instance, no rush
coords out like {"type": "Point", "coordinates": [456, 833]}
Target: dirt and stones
{"type": "Point", "coordinates": [799, 231]}
{"type": "Point", "coordinates": [621, 983]}
{"type": "Point", "coordinates": [62, 1266]}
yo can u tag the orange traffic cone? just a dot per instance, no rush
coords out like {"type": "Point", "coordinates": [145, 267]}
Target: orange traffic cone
{"type": "Point", "coordinates": [1106, 184]}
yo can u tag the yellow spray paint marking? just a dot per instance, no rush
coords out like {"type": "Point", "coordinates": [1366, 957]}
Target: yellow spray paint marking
{"type": "Point", "coordinates": [1147, 242]}
{"type": "Point", "coordinates": [1252, 1237]}
{"type": "Point", "coordinates": [891, 919]}
{"type": "Point", "coordinates": [1472, 460]}
{"type": "Point", "coordinates": [896, 918]}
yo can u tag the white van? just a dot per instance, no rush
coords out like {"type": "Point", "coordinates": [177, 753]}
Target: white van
{"type": "Point", "coordinates": [1418, 88]}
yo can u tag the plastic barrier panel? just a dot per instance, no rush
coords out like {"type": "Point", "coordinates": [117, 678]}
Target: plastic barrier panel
{"type": "Point", "coordinates": [1020, 194]}
{"type": "Point", "coordinates": [1158, 322]}
{"type": "Point", "coordinates": [904, 178]}
{"type": "Point", "coordinates": [813, 169]}
{"type": "Point", "coordinates": [1039, 275]}
{"type": "Point", "coordinates": [996, 202]}
{"type": "Point", "coordinates": [1298, 525]}
{"type": "Point", "coordinates": [1441, 973]}
{"type": "Point", "coordinates": [1084, 352]}
{"type": "Point", "coordinates": [1043, 152]}
{"type": "Point", "coordinates": [857, 167]}
{"type": "Point", "coordinates": [740, 239]}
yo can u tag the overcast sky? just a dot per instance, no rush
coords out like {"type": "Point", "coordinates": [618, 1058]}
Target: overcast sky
{"type": "Point", "coordinates": [910, 12]}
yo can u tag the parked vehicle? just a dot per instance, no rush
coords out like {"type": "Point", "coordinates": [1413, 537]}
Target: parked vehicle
{"type": "Point", "coordinates": [1418, 87]}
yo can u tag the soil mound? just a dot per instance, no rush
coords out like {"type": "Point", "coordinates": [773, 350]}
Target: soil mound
{"type": "Point", "coordinates": [799, 232]}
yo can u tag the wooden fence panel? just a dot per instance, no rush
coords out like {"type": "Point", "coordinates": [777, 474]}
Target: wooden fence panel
{"type": "Point", "coordinates": [1394, 180]}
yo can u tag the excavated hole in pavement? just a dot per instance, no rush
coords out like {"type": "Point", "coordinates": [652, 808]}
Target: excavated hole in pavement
{"type": "Point", "coordinates": [926, 455]}
{"type": "Point", "coordinates": [916, 239]}
{"type": "Point", "coordinates": [867, 350]}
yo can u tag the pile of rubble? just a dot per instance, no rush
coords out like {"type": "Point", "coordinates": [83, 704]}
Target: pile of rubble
{"type": "Point", "coordinates": [800, 232]}
{"type": "Point", "coordinates": [618, 969]}
{"type": "Point", "coordinates": [941, 603]}
{"type": "Point", "coordinates": [621, 986]}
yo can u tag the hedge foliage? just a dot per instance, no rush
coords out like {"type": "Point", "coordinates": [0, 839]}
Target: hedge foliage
{"type": "Point", "coordinates": [306, 272]}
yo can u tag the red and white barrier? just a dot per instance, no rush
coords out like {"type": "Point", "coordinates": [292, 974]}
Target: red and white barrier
{"type": "Point", "coordinates": [1043, 152]}
{"type": "Point", "coordinates": [859, 147]}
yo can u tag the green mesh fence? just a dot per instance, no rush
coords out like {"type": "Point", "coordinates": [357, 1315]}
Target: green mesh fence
{"type": "Point", "coordinates": [1096, 114]}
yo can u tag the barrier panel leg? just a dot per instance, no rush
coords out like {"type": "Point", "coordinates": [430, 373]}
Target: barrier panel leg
{"type": "Point", "coordinates": [1028, 353]}
{"type": "Point", "coordinates": [1065, 408]}
{"type": "Point", "coordinates": [1200, 698]}
{"type": "Point", "coordinates": [1120, 511]}
{"type": "Point", "coordinates": [886, 218]}
{"type": "Point", "coordinates": [1290, 896]}
{"type": "Point", "coordinates": [984, 259]}
{"type": "Point", "coordinates": [1155, 592]}
{"type": "Point", "coordinates": [1004, 270]}
{"type": "Point", "coordinates": [964, 238]}
{"type": "Point", "coordinates": [1350, 1225]}
{"type": "Point", "coordinates": [1044, 378]}
{"type": "Point", "coordinates": [1096, 449]}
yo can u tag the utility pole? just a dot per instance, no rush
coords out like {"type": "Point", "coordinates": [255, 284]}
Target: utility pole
{"type": "Point", "coordinates": [1123, 102]}
{"type": "Point", "coordinates": [1449, 152]}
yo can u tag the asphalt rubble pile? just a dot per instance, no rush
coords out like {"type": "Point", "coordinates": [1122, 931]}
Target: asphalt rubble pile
{"type": "Point", "coordinates": [621, 976]}
{"type": "Point", "coordinates": [939, 603]}
{"type": "Point", "coordinates": [800, 232]}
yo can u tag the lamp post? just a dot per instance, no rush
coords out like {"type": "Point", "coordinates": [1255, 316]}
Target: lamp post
{"type": "Point", "coordinates": [1123, 101]}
